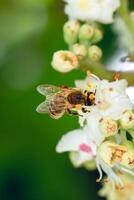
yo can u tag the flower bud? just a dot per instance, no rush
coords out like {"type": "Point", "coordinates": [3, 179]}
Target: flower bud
{"type": "Point", "coordinates": [94, 53]}
{"type": "Point", "coordinates": [108, 126]}
{"type": "Point", "coordinates": [86, 32]}
{"type": "Point", "coordinates": [111, 153]}
{"type": "Point", "coordinates": [98, 35]}
{"type": "Point", "coordinates": [76, 162]}
{"type": "Point", "coordinates": [79, 50]}
{"type": "Point", "coordinates": [128, 159]}
{"type": "Point", "coordinates": [127, 120]}
{"type": "Point", "coordinates": [71, 31]}
{"type": "Point", "coordinates": [90, 165]}
{"type": "Point", "coordinates": [64, 61]}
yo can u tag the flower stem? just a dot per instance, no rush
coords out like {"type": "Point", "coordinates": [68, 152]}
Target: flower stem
{"type": "Point", "coordinates": [99, 70]}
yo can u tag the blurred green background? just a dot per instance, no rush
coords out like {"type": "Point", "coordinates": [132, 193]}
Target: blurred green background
{"type": "Point", "coordinates": [30, 169]}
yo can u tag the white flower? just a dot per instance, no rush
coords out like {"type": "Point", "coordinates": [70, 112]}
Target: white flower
{"type": "Point", "coordinates": [90, 83]}
{"type": "Point", "coordinates": [86, 145]}
{"type": "Point", "coordinates": [127, 120]}
{"type": "Point", "coordinates": [111, 173]}
{"type": "Point", "coordinates": [82, 141]}
{"type": "Point", "coordinates": [93, 128]}
{"type": "Point", "coordinates": [128, 159]}
{"type": "Point", "coordinates": [126, 66]}
{"type": "Point", "coordinates": [92, 10]}
{"type": "Point", "coordinates": [112, 159]}
{"type": "Point", "coordinates": [111, 152]}
{"type": "Point", "coordinates": [126, 193]}
{"type": "Point", "coordinates": [111, 99]}
{"type": "Point", "coordinates": [108, 126]}
{"type": "Point", "coordinates": [90, 144]}
{"type": "Point", "coordinates": [78, 142]}
{"type": "Point", "coordinates": [64, 61]}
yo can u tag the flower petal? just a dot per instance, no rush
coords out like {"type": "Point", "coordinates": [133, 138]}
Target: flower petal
{"type": "Point", "coordinates": [79, 158]}
{"type": "Point", "coordinates": [71, 141]}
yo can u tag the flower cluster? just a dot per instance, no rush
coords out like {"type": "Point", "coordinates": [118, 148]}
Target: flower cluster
{"type": "Point", "coordinates": [118, 194]}
{"type": "Point", "coordinates": [81, 40]}
{"type": "Point", "coordinates": [92, 10]}
{"type": "Point", "coordinates": [105, 139]}
{"type": "Point", "coordinates": [106, 133]}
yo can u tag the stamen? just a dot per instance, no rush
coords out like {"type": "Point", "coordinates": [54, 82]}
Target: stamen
{"type": "Point", "coordinates": [114, 179]}
{"type": "Point", "coordinates": [99, 170]}
{"type": "Point", "coordinates": [117, 76]}
{"type": "Point", "coordinates": [127, 170]}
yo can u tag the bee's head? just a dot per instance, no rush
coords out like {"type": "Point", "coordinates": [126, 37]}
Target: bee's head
{"type": "Point", "coordinates": [76, 97]}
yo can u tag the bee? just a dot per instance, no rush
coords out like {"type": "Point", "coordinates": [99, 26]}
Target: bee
{"type": "Point", "coordinates": [128, 58]}
{"type": "Point", "coordinates": [61, 100]}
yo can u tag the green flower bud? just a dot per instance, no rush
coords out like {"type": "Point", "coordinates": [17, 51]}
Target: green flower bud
{"type": "Point", "coordinates": [71, 31]}
{"type": "Point", "coordinates": [98, 35]}
{"type": "Point", "coordinates": [94, 53]}
{"type": "Point", "coordinates": [74, 159]}
{"type": "Point", "coordinates": [127, 120]}
{"type": "Point", "coordinates": [90, 165]}
{"type": "Point", "coordinates": [79, 50]}
{"type": "Point", "coordinates": [64, 61]}
{"type": "Point", "coordinates": [111, 152]}
{"type": "Point", "coordinates": [86, 32]}
{"type": "Point", "coordinates": [108, 126]}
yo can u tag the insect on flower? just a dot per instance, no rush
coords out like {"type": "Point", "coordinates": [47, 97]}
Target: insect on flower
{"type": "Point", "coordinates": [61, 100]}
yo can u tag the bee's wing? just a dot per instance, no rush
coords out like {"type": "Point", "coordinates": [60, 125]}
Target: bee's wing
{"type": "Point", "coordinates": [43, 107]}
{"type": "Point", "coordinates": [57, 116]}
{"type": "Point", "coordinates": [47, 89]}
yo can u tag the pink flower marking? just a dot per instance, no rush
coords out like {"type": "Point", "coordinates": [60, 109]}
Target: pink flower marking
{"type": "Point", "coordinates": [85, 148]}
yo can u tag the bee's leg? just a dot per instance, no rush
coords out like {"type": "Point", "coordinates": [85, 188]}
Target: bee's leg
{"type": "Point", "coordinates": [70, 112]}
{"type": "Point", "coordinates": [84, 110]}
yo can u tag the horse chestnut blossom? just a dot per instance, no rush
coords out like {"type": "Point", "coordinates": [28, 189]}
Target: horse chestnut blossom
{"type": "Point", "coordinates": [83, 141]}
{"type": "Point", "coordinates": [124, 194]}
{"type": "Point", "coordinates": [111, 99]}
{"type": "Point", "coordinates": [105, 139]}
{"type": "Point", "coordinates": [98, 139]}
{"type": "Point", "coordinates": [92, 10]}
{"type": "Point", "coordinates": [64, 61]}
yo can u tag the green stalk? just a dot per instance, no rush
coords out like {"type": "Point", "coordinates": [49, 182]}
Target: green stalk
{"type": "Point", "coordinates": [99, 70]}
